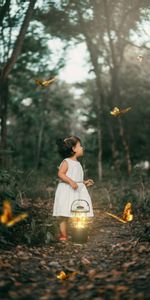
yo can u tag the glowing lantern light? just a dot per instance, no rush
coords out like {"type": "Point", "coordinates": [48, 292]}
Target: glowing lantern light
{"type": "Point", "coordinates": [79, 210]}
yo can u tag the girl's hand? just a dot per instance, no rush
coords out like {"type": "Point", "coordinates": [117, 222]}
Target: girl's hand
{"type": "Point", "coordinates": [88, 182]}
{"type": "Point", "coordinates": [73, 184]}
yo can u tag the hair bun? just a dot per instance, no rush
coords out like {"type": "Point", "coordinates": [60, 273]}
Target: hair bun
{"type": "Point", "coordinates": [66, 144]}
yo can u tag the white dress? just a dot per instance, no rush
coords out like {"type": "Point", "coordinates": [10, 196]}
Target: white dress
{"type": "Point", "coordinates": [65, 194]}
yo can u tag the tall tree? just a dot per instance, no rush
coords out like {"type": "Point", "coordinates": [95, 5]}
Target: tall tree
{"type": "Point", "coordinates": [8, 66]}
{"type": "Point", "coordinates": [105, 26]}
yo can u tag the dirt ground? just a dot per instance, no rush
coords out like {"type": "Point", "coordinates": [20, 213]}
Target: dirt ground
{"type": "Point", "coordinates": [113, 264]}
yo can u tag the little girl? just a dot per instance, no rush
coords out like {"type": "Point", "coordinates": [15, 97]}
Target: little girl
{"type": "Point", "coordinates": [72, 185]}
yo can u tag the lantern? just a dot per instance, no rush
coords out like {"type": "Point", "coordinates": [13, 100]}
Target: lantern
{"type": "Point", "coordinates": [79, 210]}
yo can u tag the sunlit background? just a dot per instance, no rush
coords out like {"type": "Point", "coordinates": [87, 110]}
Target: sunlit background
{"type": "Point", "coordinates": [99, 52]}
{"type": "Point", "coordinates": [75, 67]}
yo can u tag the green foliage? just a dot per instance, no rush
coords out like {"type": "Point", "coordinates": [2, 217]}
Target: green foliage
{"type": "Point", "coordinates": [39, 233]}
{"type": "Point", "coordinates": [8, 184]}
{"type": "Point", "coordinates": [54, 111]}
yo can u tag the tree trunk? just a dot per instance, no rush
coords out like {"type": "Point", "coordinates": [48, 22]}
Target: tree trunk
{"type": "Point", "coordinates": [39, 144]}
{"type": "Point", "coordinates": [19, 41]}
{"type": "Point", "coordinates": [126, 147]}
{"type": "Point", "coordinates": [3, 125]}
{"type": "Point", "coordinates": [113, 144]}
{"type": "Point", "coordinates": [98, 93]}
{"type": "Point", "coordinates": [115, 91]}
{"type": "Point", "coordinates": [114, 150]}
{"type": "Point", "coordinates": [5, 72]}
{"type": "Point", "coordinates": [100, 169]}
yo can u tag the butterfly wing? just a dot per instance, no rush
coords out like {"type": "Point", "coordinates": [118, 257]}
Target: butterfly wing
{"type": "Point", "coordinates": [115, 112]}
{"type": "Point", "coordinates": [45, 82]}
{"type": "Point", "coordinates": [62, 275]}
{"type": "Point", "coordinates": [17, 219]}
{"type": "Point", "coordinates": [38, 82]}
{"type": "Point", "coordinates": [123, 111]}
{"type": "Point", "coordinates": [127, 213]}
{"type": "Point", "coordinates": [48, 82]}
{"type": "Point", "coordinates": [6, 212]}
{"type": "Point", "coordinates": [115, 217]}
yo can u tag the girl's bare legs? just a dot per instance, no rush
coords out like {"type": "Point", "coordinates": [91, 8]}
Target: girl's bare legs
{"type": "Point", "coordinates": [63, 227]}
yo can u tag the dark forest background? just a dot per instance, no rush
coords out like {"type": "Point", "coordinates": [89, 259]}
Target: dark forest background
{"type": "Point", "coordinates": [115, 33]}
{"type": "Point", "coordinates": [38, 40]}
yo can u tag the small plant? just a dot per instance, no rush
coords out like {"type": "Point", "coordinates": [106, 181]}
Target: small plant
{"type": "Point", "coordinates": [39, 233]}
{"type": "Point", "coordinates": [9, 182]}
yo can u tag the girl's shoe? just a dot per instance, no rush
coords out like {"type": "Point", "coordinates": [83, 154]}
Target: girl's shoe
{"type": "Point", "coordinates": [63, 238]}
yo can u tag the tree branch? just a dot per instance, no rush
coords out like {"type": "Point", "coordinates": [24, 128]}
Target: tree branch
{"type": "Point", "coordinates": [19, 41]}
{"type": "Point", "coordinates": [4, 10]}
{"type": "Point", "coordinates": [137, 46]}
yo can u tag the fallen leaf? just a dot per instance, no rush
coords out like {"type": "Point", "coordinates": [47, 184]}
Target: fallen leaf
{"type": "Point", "coordinates": [85, 261]}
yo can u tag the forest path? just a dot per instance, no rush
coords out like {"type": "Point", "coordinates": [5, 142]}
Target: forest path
{"type": "Point", "coordinates": [111, 265]}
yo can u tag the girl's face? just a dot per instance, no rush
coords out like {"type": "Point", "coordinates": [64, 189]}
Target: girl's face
{"type": "Point", "coordinates": [78, 149]}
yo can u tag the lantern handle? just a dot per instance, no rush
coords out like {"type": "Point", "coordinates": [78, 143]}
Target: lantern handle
{"type": "Point", "coordinates": [80, 200]}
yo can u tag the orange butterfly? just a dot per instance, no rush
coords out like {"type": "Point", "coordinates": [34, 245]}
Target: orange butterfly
{"type": "Point", "coordinates": [116, 112]}
{"type": "Point", "coordinates": [7, 218]}
{"type": "Point", "coordinates": [62, 275]}
{"type": "Point", "coordinates": [127, 214]}
{"type": "Point", "coordinates": [45, 82]}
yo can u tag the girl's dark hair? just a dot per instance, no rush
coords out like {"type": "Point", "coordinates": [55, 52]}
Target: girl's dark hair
{"type": "Point", "coordinates": [65, 145]}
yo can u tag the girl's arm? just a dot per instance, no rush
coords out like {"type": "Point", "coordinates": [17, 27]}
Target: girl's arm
{"type": "Point", "coordinates": [62, 175]}
{"type": "Point", "coordinates": [88, 182]}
